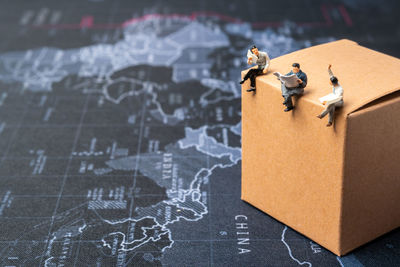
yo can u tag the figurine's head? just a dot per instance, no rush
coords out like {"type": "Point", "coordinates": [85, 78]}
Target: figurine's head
{"type": "Point", "coordinates": [334, 81]}
{"type": "Point", "coordinates": [296, 67]}
{"type": "Point", "coordinates": [254, 50]}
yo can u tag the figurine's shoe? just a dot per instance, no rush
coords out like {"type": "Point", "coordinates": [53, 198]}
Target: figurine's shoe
{"type": "Point", "coordinates": [241, 82]}
{"type": "Point", "coordinates": [288, 109]}
{"type": "Point", "coordinates": [251, 90]}
{"type": "Point", "coordinates": [329, 124]}
{"type": "Point", "coordinates": [319, 116]}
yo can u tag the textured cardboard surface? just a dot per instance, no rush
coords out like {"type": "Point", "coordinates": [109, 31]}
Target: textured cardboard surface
{"type": "Point", "coordinates": [364, 74]}
{"type": "Point", "coordinates": [371, 189]}
{"type": "Point", "coordinates": [293, 167]}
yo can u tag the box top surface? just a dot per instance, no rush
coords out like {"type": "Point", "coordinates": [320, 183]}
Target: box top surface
{"type": "Point", "coordinates": [364, 74]}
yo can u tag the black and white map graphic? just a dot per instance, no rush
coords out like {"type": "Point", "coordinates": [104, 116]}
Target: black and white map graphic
{"type": "Point", "coordinates": [126, 151]}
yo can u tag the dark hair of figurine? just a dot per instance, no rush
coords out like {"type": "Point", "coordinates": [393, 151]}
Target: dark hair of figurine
{"type": "Point", "coordinates": [251, 49]}
{"type": "Point", "coordinates": [296, 65]}
{"type": "Point", "coordinates": [334, 80]}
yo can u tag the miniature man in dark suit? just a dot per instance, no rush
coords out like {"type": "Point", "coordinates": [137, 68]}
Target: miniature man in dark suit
{"type": "Point", "coordinates": [262, 61]}
{"type": "Point", "coordinates": [288, 92]}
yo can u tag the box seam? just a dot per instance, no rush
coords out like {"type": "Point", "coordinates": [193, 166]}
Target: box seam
{"type": "Point", "coordinates": [340, 224]}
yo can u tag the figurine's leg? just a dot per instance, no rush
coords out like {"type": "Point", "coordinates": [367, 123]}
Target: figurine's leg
{"type": "Point", "coordinates": [331, 114]}
{"type": "Point", "coordinates": [332, 111]}
{"type": "Point", "coordinates": [245, 77]}
{"type": "Point", "coordinates": [324, 113]}
{"type": "Point", "coordinates": [285, 93]}
{"type": "Point", "coordinates": [288, 103]}
{"type": "Point", "coordinates": [248, 75]}
{"type": "Point", "coordinates": [329, 110]}
{"type": "Point", "coordinates": [284, 90]}
{"type": "Point", "coordinates": [253, 81]}
{"type": "Point", "coordinates": [253, 76]}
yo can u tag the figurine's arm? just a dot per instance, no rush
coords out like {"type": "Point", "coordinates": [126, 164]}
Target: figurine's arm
{"type": "Point", "coordinates": [289, 73]}
{"type": "Point", "coordinates": [266, 63]}
{"type": "Point", "coordinates": [303, 78]}
{"type": "Point", "coordinates": [330, 71]}
{"type": "Point", "coordinates": [250, 62]}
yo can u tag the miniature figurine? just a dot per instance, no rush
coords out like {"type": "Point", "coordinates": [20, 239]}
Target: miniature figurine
{"type": "Point", "coordinates": [262, 60]}
{"type": "Point", "coordinates": [333, 100]}
{"type": "Point", "coordinates": [292, 83]}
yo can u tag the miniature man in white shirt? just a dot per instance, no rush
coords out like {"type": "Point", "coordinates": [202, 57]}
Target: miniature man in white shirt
{"type": "Point", "coordinates": [262, 61]}
{"type": "Point", "coordinates": [333, 100]}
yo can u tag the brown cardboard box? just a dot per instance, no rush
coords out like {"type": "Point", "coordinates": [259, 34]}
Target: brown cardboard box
{"type": "Point", "coordinates": [339, 185]}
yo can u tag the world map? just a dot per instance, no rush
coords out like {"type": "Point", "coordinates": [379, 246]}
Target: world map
{"type": "Point", "coordinates": [129, 153]}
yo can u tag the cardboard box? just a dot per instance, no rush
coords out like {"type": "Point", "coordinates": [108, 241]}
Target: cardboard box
{"type": "Point", "coordinates": [339, 185]}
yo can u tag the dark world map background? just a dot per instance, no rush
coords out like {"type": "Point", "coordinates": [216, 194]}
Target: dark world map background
{"type": "Point", "coordinates": [120, 130]}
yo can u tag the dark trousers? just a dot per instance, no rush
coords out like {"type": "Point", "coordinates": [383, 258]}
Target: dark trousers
{"type": "Point", "coordinates": [252, 74]}
{"type": "Point", "coordinates": [287, 94]}
{"type": "Point", "coordinates": [288, 101]}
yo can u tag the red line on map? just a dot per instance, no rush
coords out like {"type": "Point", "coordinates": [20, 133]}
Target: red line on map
{"type": "Point", "coordinates": [88, 20]}
{"type": "Point", "coordinates": [327, 17]}
{"type": "Point", "coordinates": [345, 15]}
